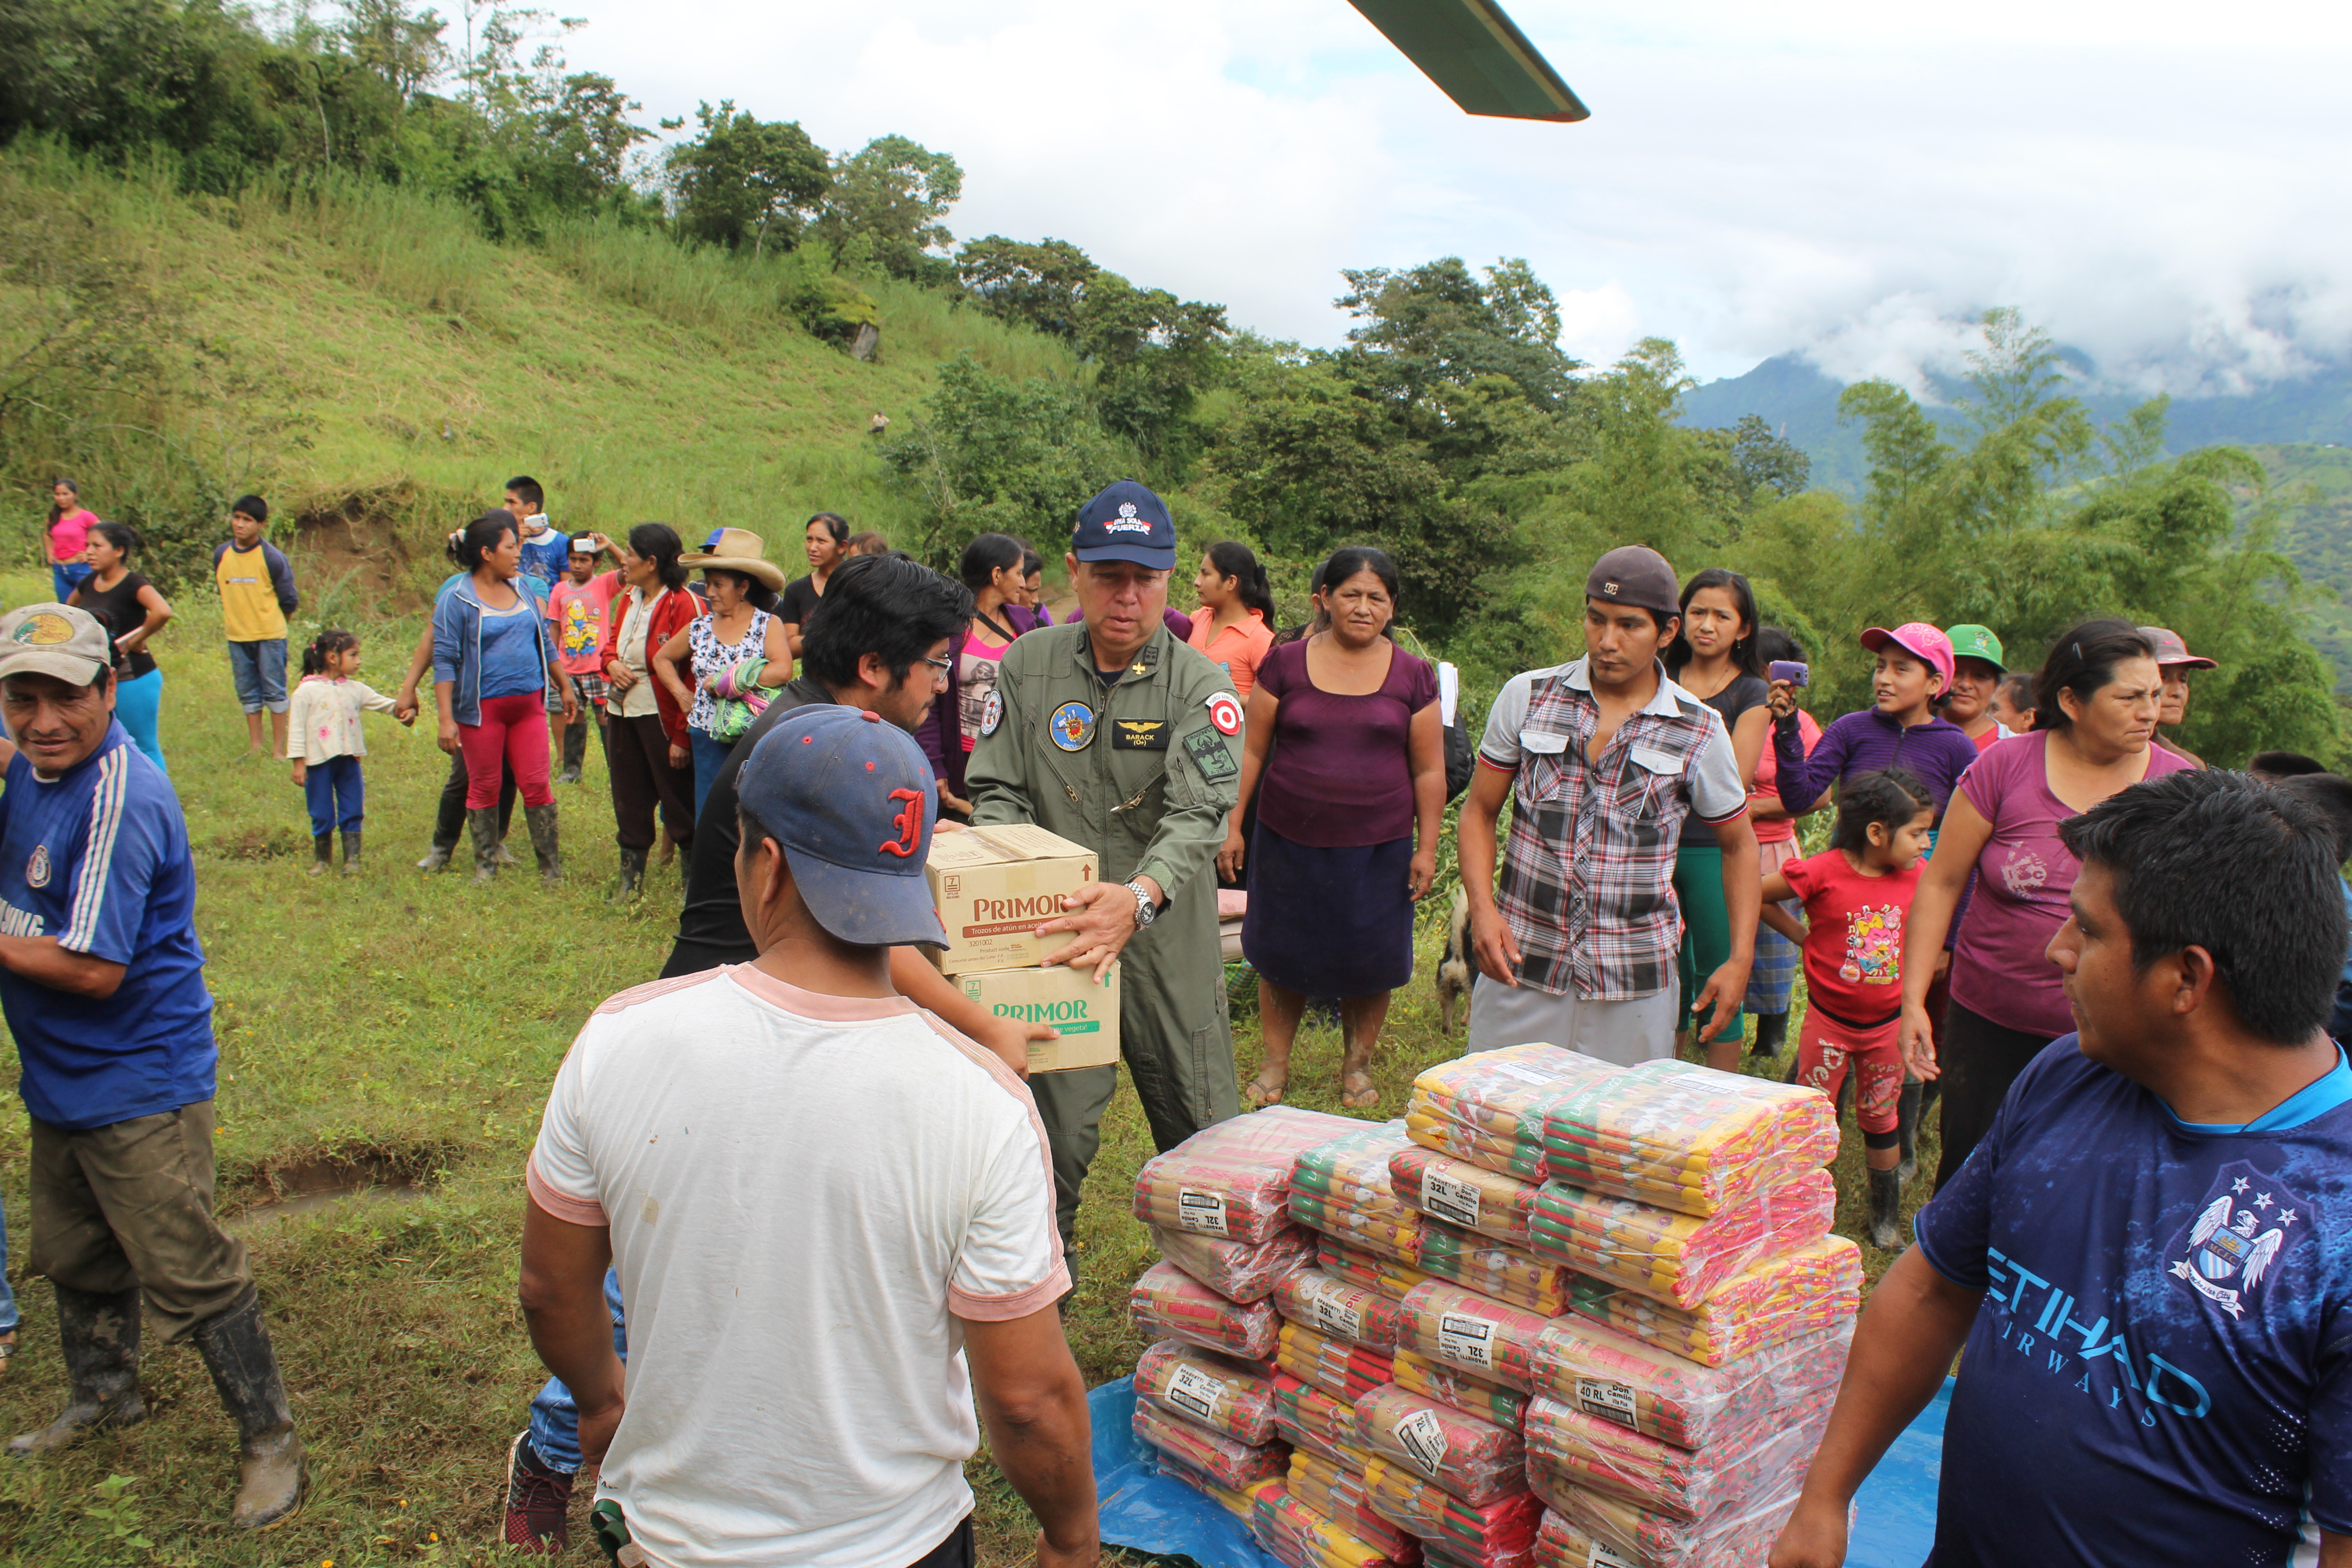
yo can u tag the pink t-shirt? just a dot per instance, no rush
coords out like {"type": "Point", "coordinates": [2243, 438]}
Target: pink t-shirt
{"type": "Point", "coordinates": [1778, 829]}
{"type": "Point", "coordinates": [1853, 936]}
{"type": "Point", "coordinates": [2000, 970]}
{"type": "Point", "coordinates": [578, 611]}
{"type": "Point", "coordinates": [70, 535]}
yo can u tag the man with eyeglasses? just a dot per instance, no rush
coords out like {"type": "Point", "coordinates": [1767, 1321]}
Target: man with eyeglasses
{"type": "Point", "coordinates": [876, 641]}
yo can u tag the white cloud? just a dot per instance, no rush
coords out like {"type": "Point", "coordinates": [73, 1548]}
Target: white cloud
{"type": "Point", "coordinates": [2158, 183]}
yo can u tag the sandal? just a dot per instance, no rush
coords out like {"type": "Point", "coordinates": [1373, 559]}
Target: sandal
{"type": "Point", "coordinates": [1261, 1094]}
{"type": "Point", "coordinates": [1358, 1098]}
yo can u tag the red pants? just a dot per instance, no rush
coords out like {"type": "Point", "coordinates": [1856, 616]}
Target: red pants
{"type": "Point", "coordinates": [513, 729]}
{"type": "Point", "coordinates": [1826, 1048]}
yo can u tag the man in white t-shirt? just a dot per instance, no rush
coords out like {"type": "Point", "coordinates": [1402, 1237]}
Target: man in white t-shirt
{"type": "Point", "coordinates": [832, 1217]}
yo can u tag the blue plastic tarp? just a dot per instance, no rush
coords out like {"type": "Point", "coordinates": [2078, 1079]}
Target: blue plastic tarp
{"type": "Point", "coordinates": [1143, 1510]}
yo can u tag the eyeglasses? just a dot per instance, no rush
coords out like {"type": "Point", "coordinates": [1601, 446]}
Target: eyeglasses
{"type": "Point", "coordinates": [940, 668]}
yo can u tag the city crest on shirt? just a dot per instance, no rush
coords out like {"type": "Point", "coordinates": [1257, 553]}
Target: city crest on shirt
{"type": "Point", "coordinates": [2233, 1243]}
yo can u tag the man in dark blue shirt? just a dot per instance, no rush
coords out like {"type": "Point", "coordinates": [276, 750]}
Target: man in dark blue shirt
{"type": "Point", "coordinates": [2149, 1257]}
{"type": "Point", "coordinates": [102, 979]}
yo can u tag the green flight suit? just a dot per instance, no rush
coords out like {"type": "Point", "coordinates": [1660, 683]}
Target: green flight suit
{"type": "Point", "coordinates": [1149, 788]}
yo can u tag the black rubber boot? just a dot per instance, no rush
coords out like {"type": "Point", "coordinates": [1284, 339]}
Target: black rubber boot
{"type": "Point", "coordinates": [235, 1347]}
{"type": "Point", "coordinates": [101, 1337]}
{"type": "Point", "coordinates": [351, 851]}
{"type": "Point", "coordinates": [541, 819]}
{"type": "Point", "coordinates": [633, 876]}
{"type": "Point", "coordinates": [1906, 1128]}
{"type": "Point", "coordinates": [436, 858]}
{"type": "Point", "coordinates": [483, 824]}
{"type": "Point", "coordinates": [575, 749]}
{"type": "Point", "coordinates": [322, 853]}
{"type": "Point", "coordinates": [1886, 1210]}
{"type": "Point", "coordinates": [1771, 1031]}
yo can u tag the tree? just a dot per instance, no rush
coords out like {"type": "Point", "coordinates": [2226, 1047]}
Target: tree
{"type": "Point", "coordinates": [1766, 461]}
{"type": "Point", "coordinates": [742, 179]}
{"type": "Point", "coordinates": [1042, 284]}
{"type": "Point", "coordinates": [402, 46]}
{"type": "Point", "coordinates": [891, 194]}
{"type": "Point", "coordinates": [1437, 325]}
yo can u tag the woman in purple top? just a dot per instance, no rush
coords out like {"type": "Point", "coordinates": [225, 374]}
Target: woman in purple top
{"type": "Point", "coordinates": [2095, 710]}
{"type": "Point", "coordinates": [1347, 829]}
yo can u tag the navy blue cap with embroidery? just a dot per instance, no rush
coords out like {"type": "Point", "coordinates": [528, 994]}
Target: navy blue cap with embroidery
{"type": "Point", "coordinates": [851, 799]}
{"type": "Point", "coordinates": [1126, 522]}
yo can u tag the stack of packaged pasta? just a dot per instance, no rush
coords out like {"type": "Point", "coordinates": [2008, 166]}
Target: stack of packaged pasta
{"type": "Point", "coordinates": [1679, 1399]}
{"type": "Point", "coordinates": [1218, 1206]}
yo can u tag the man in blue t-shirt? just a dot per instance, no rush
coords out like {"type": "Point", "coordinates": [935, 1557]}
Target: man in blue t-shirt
{"type": "Point", "coordinates": [2149, 1257]}
{"type": "Point", "coordinates": [102, 979]}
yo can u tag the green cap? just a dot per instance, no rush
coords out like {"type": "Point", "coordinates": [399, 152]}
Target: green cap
{"type": "Point", "coordinates": [1975, 642]}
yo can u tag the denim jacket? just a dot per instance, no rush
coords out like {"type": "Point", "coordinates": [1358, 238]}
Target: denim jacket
{"type": "Point", "coordinates": [458, 646]}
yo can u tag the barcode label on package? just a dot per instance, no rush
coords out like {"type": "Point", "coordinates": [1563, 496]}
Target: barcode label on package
{"type": "Point", "coordinates": [1466, 1341]}
{"type": "Point", "coordinates": [1449, 1199]}
{"type": "Point", "coordinates": [1525, 1074]}
{"type": "Point", "coordinates": [1602, 1557]}
{"type": "Point", "coordinates": [1610, 1401]}
{"type": "Point", "coordinates": [1194, 1391]}
{"type": "Point", "coordinates": [1202, 1212]}
{"type": "Point", "coordinates": [1422, 1435]}
{"type": "Point", "coordinates": [1338, 1318]}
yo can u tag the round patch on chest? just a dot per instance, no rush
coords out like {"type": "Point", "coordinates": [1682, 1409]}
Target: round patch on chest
{"type": "Point", "coordinates": [1072, 726]}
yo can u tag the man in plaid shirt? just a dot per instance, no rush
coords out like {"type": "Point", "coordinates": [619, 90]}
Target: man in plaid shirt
{"type": "Point", "coordinates": [1602, 758]}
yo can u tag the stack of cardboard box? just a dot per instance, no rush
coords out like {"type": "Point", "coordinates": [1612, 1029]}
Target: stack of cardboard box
{"type": "Point", "coordinates": [993, 887]}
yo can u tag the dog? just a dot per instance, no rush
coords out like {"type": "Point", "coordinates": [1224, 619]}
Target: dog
{"type": "Point", "coordinates": [1453, 968]}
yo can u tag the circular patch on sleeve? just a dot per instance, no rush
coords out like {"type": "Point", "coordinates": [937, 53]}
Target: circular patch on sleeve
{"type": "Point", "coordinates": [1225, 713]}
{"type": "Point", "coordinates": [991, 712]}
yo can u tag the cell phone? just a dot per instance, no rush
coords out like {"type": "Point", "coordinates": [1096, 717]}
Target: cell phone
{"type": "Point", "coordinates": [1791, 670]}
{"type": "Point", "coordinates": [537, 519]}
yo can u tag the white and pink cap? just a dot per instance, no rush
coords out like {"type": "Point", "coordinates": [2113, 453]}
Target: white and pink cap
{"type": "Point", "coordinates": [1923, 642]}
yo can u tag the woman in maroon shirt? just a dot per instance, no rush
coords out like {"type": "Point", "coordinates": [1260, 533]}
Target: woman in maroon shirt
{"type": "Point", "coordinates": [1343, 734]}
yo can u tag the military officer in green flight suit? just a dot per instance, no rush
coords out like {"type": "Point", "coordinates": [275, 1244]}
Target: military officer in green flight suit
{"type": "Point", "coordinates": [1115, 734]}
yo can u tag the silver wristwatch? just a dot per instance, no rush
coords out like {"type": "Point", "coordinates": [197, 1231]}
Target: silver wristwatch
{"type": "Point", "coordinates": [1147, 909]}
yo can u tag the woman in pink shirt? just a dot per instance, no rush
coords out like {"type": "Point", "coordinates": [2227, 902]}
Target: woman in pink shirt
{"type": "Point", "coordinates": [1235, 625]}
{"type": "Point", "coordinates": [69, 525]}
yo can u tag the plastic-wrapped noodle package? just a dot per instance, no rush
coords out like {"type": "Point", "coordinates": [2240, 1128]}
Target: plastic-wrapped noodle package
{"type": "Point", "coordinates": [1237, 1271]}
{"type": "Point", "coordinates": [1169, 1303]}
{"type": "Point", "coordinates": [1334, 1487]}
{"type": "Point", "coordinates": [1310, 1420]}
{"type": "Point", "coordinates": [1348, 1175]}
{"type": "Point", "coordinates": [1474, 1460]}
{"type": "Point", "coordinates": [1339, 1308]}
{"type": "Point", "coordinates": [1687, 1137]}
{"type": "Point", "coordinates": [1484, 1265]}
{"type": "Point", "coordinates": [1486, 1107]}
{"type": "Point", "coordinates": [1392, 1230]}
{"type": "Point", "coordinates": [1338, 1368]}
{"type": "Point", "coordinates": [1371, 1269]}
{"type": "Point", "coordinates": [1225, 1460]}
{"type": "Point", "coordinates": [1448, 1385]}
{"type": "Point", "coordinates": [1677, 1259]}
{"type": "Point", "coordinates": [1489, 1531]}
{"type": "Point", "coordinates": [1475, 1333]}
{"type": "Point", "coordinates": [1587, 1451]}
{"type": "Point", "coordinates": [1438, 1555]}
{"type": "Point", "coordinates": [1236, 1499]}
{"type": "Point", "coordinates": [1776, 1300]}
{"type": "Point", "coordinates": [1463, 1193]}
{"type": "Point", "coordinates": [1233, 1180]}
{"type": "Point", "coordinates": [1295, 1534]}
{"type": "Point", "coordinates": [1619, 1378]}
{"type": "Point", "coordinates": [1738, 1537]}
{"type": "Point", "coordinates": [1208, 1389]}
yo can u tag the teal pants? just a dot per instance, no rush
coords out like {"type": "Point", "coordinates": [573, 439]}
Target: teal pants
{"type": "Point", "coordinates": [1706, 930]}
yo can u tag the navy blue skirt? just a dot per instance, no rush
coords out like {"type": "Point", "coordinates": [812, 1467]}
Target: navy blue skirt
{"type": "Point", "coordinates": [1329, 923]}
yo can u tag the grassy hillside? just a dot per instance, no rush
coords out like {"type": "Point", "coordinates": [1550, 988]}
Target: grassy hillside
{"type": "Point", "coordinates": [367, 362]}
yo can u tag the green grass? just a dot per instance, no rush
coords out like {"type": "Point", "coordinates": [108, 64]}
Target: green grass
{"type": "Point", "coordinates": [405, 1025]}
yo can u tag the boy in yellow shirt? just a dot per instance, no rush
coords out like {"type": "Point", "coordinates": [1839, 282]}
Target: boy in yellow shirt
{"type": "Point", "coordinates": [257, 593]}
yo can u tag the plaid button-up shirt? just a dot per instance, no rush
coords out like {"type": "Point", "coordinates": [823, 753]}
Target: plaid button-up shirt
{"type": "Point", "coordinates": [1587, 880]}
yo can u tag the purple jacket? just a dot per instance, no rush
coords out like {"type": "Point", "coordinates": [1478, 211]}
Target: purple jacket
{"type": "Point", "coordinates": [941, 734]}
{"type": "Point", "coordinates": [1938, 752]}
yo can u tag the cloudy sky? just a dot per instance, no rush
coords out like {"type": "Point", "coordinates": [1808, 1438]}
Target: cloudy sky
{"type": "Point", "coordinates": [2161, 183]}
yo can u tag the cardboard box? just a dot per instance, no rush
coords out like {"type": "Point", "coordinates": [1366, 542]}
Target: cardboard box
{"type": "Point", "coordinates": [992, 886]}
{"type": "Point", "coordinates": [1068, 999]}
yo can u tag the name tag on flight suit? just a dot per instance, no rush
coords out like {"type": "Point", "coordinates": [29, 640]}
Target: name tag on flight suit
{"type": "Point", "coordinates": [1138, 734]}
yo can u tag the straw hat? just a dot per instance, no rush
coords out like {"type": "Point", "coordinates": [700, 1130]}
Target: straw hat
{"type": "Point", "coordinates": [737, 550]}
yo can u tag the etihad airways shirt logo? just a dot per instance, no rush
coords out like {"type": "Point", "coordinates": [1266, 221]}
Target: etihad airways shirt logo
{"type": "Point", "coordinates": [2237, 1236]}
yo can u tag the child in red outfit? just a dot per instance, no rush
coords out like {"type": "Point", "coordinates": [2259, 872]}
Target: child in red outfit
{"type": "Point", "coordinates": [1855, 898]}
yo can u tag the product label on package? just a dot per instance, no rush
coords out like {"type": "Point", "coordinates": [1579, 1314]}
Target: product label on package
{"type": "Point", "coordinates": [1610, 1401]}
{"type": "Point", "coordinates": [1524, 1073]}
{"type": "Point", "coordinates": [1602, 1557]}
{"type": "Point", "coordinates": [1422, 1435]}
{"type": "Point", "coordinates": [1466, 1341]}
{"type": "Point", "coordinates": [1194, 1391]}
{"type": "Point", "coordinates": [1202, 1212]}
{"type": "Point", "coordinates": [1449, 1199]}
{"type": "Point", "coordinates": [1338, 1318]}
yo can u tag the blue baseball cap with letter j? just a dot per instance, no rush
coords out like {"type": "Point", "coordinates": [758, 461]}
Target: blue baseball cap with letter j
{"type": "Point", "coordinates": [1126, 522]}
{"type": "Point", "coordinates": [852, 801]}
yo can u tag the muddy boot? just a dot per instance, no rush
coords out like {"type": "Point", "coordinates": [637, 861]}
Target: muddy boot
{"type": "Point", "coordinates": [575, 751]}
{"type": "Point", "coordinates": [100, 1336]}
{"type": "Point", "coordinates": [351, 851]}
{"type": "Point", "coordinates": [541, 819]}
{"type": "Point", "coordinates": [1906, 1129]}
{"type": "Point", "coordinates": [436, 858]}
{"type": "Point", "coordinates": [483, 824]}
{"type": "Point", "coordinates": [322, 853]}
{"type": "Point", "coordinates": [1886, 1210]}
{"type": "Point", "coordinates": [235, 1347]}
{"type": "Point", "coordinates": [633, 876]}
